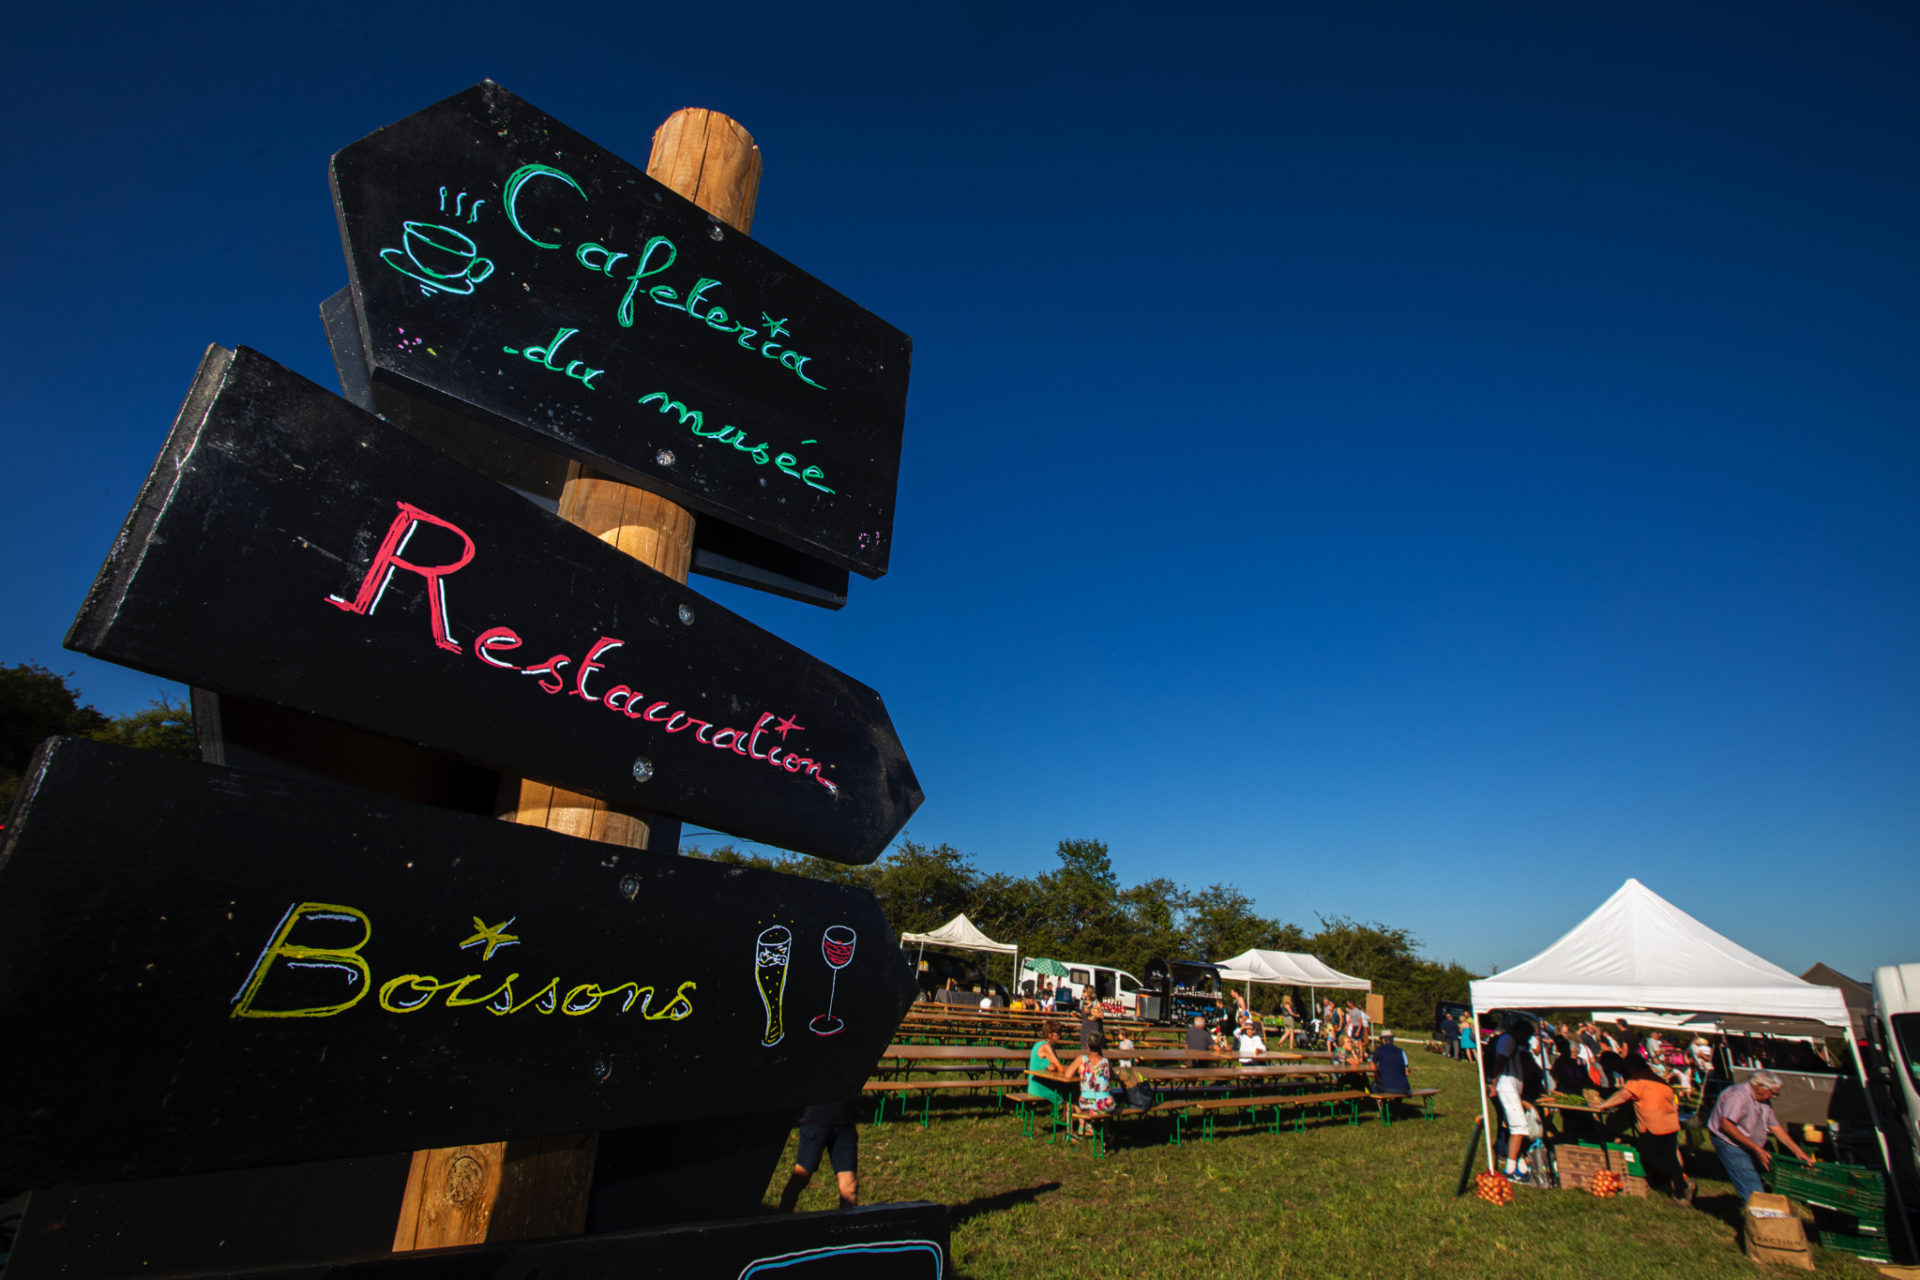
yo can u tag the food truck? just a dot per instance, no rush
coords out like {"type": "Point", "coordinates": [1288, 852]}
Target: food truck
{"type": "Point", "coordinates": [1178, 991]}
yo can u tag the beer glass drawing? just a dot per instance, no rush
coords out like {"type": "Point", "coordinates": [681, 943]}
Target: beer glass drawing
{"type": "Point", "coordinates": [770, 956]}
{"type": "Point", "coordinates": [836, 948]}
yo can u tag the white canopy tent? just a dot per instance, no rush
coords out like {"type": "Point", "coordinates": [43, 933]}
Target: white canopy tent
{"type": "Point", "coordinates": [961, 934]}
{"type": "Point", "coordinates": [1639, 951]}
{"type": "Point", "coordinates": [1288, 969]}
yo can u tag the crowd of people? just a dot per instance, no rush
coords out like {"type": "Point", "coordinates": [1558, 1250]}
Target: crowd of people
{"type": "Point", "coordinates": [1611, 1069]}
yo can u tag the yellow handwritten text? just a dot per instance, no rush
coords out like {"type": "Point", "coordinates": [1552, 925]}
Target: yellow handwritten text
{"type": "Point", "coordinates": [413, 992]}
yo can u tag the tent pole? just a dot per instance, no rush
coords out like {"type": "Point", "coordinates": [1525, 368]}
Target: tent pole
{"type": "Point", "coordinates": [1880, 1135]}
{"type": "Point", "coordinates": [1480, 1063]}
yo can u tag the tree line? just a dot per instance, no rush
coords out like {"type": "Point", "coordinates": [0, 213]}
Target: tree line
{"type": "Point", "coordinates": [1079, 911]}
{"type": "Point", "coordinates": [36, 704]}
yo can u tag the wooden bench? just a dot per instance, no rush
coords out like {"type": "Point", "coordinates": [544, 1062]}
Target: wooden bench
{"type": "Point", "coordinates": [1027, 1105]}
{"type": "Point", "coordinates": [1207, 1109]}
{"type": "Point", "coordinates": [1096, 1122]}
{"type": "Point", "coordinates": [884, 1089]}
{"type": "Point", "coordinates": [1385, 1101]}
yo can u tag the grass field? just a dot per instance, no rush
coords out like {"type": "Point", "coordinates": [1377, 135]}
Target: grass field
{"type": "Point", "coordinates": [1333, 1202]}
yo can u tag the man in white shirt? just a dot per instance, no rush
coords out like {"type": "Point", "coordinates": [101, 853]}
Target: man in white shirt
{"type": "Point", "coordinates": [1249, 1041]}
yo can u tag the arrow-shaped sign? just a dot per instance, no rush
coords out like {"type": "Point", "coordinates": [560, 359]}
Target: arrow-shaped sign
{"type": "Point", "coordinates": [292, 548]}
{"type": "Point", "coordinates": [507, 268]}
{"type": "Point", "coordinates": [205, 968]}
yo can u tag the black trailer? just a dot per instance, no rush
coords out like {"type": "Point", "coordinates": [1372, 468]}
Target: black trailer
{"type": "Point", "coordinates": [1179, 991]}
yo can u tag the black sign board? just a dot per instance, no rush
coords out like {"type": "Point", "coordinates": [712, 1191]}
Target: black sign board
{"type": "Point", "coordinates": [205, 968]}
{"type": "Point", "coordinates": [874, 1242]}
{"type": "Point", "coordinates": [507, 268]}
{"type": "Point", "coordinates": [291, 548]}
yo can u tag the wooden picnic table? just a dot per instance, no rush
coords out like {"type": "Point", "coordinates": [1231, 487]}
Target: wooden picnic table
{"type": "Point", "coordinates": [952, 1052]}
{"type": "Point", "coordinates": [1338, 1098]}
{"type": "Point", "coordinates": [1194, 1055]}
{"type": "Point", "coordinates": [1278, 1071]}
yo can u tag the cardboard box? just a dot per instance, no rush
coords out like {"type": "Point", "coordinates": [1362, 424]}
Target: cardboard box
{"type": "Point", "coordinates": [1576, 1164]}
{"type": "Point", "coordinates": [1771, 1232]}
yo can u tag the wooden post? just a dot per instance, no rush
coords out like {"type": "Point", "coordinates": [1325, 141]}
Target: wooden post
{"type": "Point", "coordinates": [508, 1191]}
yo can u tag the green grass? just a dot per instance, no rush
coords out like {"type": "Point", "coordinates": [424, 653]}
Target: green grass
{"type": "Point", "coordinates": [1333, 1202]}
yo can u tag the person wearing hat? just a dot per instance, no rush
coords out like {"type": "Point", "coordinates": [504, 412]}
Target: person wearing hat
{"type": "Point", "coordinates": [1390, 1067]}
{"type": "Point", "coordinates": [1249, 1040]}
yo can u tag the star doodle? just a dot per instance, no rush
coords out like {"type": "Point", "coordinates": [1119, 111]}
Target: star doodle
{"type": "Point", "coordinates": [494, 935]}
{"type": "Point", "coordinates": [791, 722]}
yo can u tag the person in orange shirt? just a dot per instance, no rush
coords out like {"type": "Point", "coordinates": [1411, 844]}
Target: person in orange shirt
{"type": "Point", "coordinates": [1657, 1113]}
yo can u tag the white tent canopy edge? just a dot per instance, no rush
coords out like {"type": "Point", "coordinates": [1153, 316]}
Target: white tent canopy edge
{"type": "Point", "coordinates": [962, 934]}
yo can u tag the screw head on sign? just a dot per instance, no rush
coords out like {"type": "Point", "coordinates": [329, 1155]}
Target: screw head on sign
{"type": "Point", "coordinates": [686, 615]}
{"type": "Point", "coordinates": [601, 1070]}
{"type": "Point", "coordinates": [642, 769]}
{"type": "Point", "coordinates": [664, 457]}
{"type": "Point", "coordinates": [629, 887]}
{"type": "Point", "coordinates": [717, 231]}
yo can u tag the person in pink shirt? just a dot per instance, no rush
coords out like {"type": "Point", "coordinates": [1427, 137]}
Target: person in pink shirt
{"type": "Point", "coordinates": [1739, 1126]}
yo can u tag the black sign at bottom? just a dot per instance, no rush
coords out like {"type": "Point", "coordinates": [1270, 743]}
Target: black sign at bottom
{"type": "Point", "coordinates": [215, 969]}
{"type": "Point", "coordinates": [876, 1242]}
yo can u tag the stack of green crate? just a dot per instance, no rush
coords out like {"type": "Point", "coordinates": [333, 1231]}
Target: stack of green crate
{"type": "Point", "coordinates": [1850, 1204]}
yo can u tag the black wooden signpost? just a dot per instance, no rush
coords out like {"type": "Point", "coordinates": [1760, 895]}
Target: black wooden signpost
{"type": "Point", "coordinates": [892, 1242]}
{"type": "Point", "coordinates": [375, 582]}
{"type": "Point", "coordinates": [266, 971]}
{"type": "Point", "coordinates": [208, 969]}
{"type": "Point", "coordinates": [505, 267]}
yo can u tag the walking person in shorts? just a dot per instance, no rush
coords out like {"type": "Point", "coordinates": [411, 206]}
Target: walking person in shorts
{"type": "Point", "coordinates": [831, 1127]}
{"type": "Point", "coordinates": [1509, 1065]}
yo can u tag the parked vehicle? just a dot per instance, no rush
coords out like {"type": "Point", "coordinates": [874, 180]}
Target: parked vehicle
{"type": "Point", "coordinates": [1089, 983]}
{"type": "Point", "coordinates": [1896, 1014]}
{"type": "Point", "coordinates": [1180, 990]}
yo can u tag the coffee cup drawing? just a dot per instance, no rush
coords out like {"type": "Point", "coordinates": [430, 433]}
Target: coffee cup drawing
{"type": "Point", "coordinates": [439, 258]}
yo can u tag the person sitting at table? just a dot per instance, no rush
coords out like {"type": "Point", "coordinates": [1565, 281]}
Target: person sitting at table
{"type": "Point", "coordinates": [1346, 1054]}
{"type": "Point", "coordinates": [1095, 1075]}
{"type": "Point", "coordinates": [1198, 1041]}
{"type": "Point", "coordinates": [1390, 1067]}
{"type": "Point", "coordinates": [1657, 1113]}
{"type": "Point", "coordinates": [1044, 1056]}
{"type": "Point", "coordinates": [1249, 1042]}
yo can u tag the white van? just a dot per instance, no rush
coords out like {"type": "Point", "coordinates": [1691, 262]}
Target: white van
{"type": "Point", "coordinates": [1896, 1008]}
{"type": "Point", "coordinates": [1089, 982]}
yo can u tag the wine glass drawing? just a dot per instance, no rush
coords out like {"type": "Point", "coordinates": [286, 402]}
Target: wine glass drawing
{"type": "Point", "coordinates": [836, 948]}
{"type": "Point", "coordinates": [771, 952]}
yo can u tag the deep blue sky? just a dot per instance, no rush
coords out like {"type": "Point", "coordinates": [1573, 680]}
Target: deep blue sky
{"type": "Point", "coordinates": [1425, 463]}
